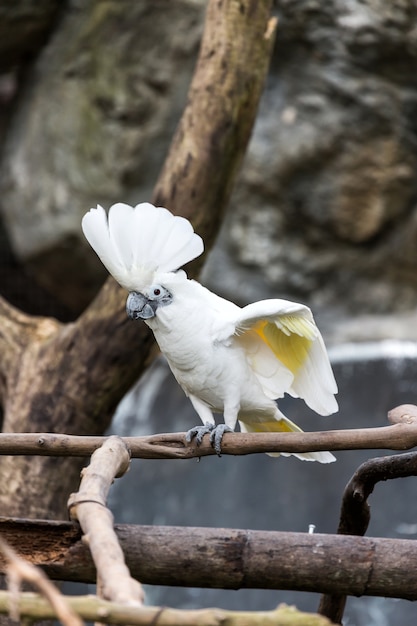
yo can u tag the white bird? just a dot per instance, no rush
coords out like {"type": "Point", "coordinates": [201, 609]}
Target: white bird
{"type": "Point", "coordinates": [227, 359]}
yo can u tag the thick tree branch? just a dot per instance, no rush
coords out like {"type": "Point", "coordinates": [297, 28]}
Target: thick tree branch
{"type": "Point", "coordinates": [223, 98]}
{"type": "Point", "coordinates": [355, 511]}
{"type": "Point", "coordinates": [18, 330]}
{"type": "Point", "coordinates": [231, 558]}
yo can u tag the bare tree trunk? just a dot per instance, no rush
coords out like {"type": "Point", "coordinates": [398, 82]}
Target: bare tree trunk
{"type": "Point", "coordinates": [69, 378]}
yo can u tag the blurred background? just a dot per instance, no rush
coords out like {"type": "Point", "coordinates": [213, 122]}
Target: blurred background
{"type": "Point", "coordinates": [324, 213]}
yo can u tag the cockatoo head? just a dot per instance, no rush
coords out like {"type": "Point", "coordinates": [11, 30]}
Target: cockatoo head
{"type": "Point", "coordinates": [145, 304]}
{"type": "Point", "coordinates": [142, 306]}
{"type": "Point", "coordinates": [140, 245]}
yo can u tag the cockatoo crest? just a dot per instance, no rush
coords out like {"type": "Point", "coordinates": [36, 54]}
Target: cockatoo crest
{"type": "Point", "coordinates": [136, 243]}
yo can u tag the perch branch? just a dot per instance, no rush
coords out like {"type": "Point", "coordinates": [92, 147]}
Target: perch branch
{"type": "Point", "coordinates": [88, 506]}
{"type": "Point", "coordinates": [401, 435]}
{"type": "Point", "coordinates": [19, 570]}
{"type": "Point", "coordinates": [228, 558]}
{"type": "Point", "coordinates": [93, 609]}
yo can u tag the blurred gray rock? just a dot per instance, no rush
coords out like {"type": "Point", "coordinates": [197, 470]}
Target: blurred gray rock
{"type": "Point", "coordinates": [92, 125]}
{"type": "Point", "coordinates": [325, 209]}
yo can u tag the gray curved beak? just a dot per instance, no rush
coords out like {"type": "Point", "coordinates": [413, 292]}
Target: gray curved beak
{"type": "Point", "coordinates": [139, 307]}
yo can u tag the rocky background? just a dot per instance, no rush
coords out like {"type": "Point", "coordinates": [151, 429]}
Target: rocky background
{"type": "Point", "coordinates": [325, 209]}
{"type": "Point", "coordinates": [325, 212]}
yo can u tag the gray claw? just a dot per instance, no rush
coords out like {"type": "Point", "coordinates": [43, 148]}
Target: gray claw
{"type": "Point", "coordinates": [216, 437]}
{"type": "Point", "coordinates": [199, 431]}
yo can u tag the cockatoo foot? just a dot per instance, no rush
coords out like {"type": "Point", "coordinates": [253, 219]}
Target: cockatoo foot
{"type": "Point", "coordinates": [216, 434]}
{"type": "Point", "coordinates": [216, 437]}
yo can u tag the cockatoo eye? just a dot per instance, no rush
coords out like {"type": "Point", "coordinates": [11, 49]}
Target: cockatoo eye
{"type": "Point", "coordinates": [160, 294]}
{"type": "Point", "coordinates": [156, 291]}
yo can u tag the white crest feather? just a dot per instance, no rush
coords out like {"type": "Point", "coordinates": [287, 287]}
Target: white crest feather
{"type": "Point", "coordinates": [135, 243]}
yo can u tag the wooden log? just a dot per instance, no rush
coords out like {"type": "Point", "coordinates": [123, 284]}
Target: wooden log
{"type": "Point", "coordinates": [229, 559]}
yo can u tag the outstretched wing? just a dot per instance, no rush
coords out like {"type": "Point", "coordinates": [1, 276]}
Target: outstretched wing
{"type": "Point", "coordinates": [287, 352]}
{"type": "Point", "coordinates": [136, 242]}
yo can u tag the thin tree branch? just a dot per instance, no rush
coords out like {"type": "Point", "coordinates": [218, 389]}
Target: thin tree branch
{"type": "Point", "coordinates": [20, 570]}
{"type": "Point", "coordinates": [174, 445]}
{"type": "Point", "coordinates": [88, 506]}
{"type": "Point", "coordinates": [93, 609]}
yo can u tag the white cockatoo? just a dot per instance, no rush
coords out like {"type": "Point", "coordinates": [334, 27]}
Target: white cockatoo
{"type": "Point", "coordinates": [227, 359]}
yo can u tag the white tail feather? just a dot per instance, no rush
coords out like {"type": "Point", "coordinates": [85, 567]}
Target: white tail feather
{"type": "Point", "coordinates": [135, 243]}
{"type": "Point", "coordinates": [283, 424]}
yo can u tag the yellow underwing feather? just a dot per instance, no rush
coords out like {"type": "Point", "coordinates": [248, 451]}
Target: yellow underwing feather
{"type": "Point", "coordinates": [290, 342]}
{"type": "Point", "coordinates": [276, 426]}
{"type": "Point", "coordinates": [285, 425]}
